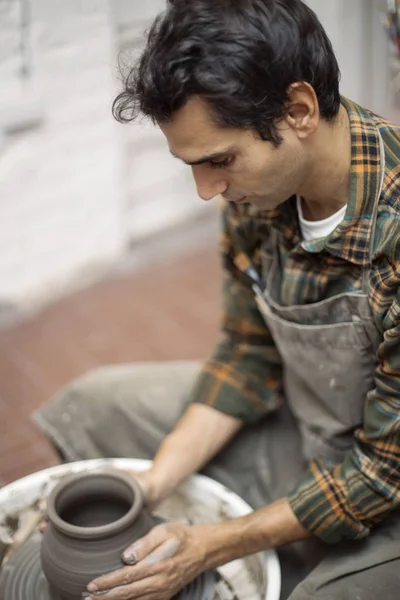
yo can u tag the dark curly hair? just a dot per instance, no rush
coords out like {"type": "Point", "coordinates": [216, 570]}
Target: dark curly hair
{"type": "Point", "coordinates": [241, 56]}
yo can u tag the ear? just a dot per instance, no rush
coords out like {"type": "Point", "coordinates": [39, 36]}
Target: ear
{"type": "Point", "coordinates": [302, 110]}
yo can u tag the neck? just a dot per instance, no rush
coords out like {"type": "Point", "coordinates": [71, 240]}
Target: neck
{"type": "Point", "coordinates": [326, 190]}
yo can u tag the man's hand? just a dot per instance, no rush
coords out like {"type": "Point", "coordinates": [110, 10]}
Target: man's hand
{"type": "Point", "coordinates": [162, 564]}
{"type": "Point", "coordinates": [179, 457]}
{"type": "Point", "coordinates": [149, 485]}
{"type": "Point", "coordinates": [172, 555]}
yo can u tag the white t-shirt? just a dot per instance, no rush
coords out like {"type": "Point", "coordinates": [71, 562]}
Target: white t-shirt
{"type": "Point", "coordinates": [311, 230]}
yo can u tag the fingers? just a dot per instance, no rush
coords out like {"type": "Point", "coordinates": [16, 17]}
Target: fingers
{"type": "Point", "coordinates": [152, 557]}
{"type": "Point", "coordinates": [144, 480]}
{"type": "Point", "coordinates": [43, 524]}
{"type": "Point", "coordinates": [149, 567]}
{"type": "Point", "coordinates": [140, 579]}
{"type": "Point", "coordinates": [151, 588]}
{"type": "Point", "coordinates": [167, 550]}
{"type": "Point", "coordinates": [136, 475]}
{"type": "Point", "coordinates": [134, 554]}
{"type": "Point", "coordinates": [119, 578]}
{"type": "Point", "coordinates": [143, 547]}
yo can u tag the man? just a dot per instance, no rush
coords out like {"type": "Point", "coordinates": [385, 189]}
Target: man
{"type": "Point", "coordinates": [298, 408]}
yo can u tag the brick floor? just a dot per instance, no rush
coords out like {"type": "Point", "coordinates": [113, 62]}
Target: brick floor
{"type": "Point", "coordinates": [168, 311]}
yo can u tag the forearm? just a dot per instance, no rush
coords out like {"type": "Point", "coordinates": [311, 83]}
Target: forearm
{"type": "Point", "coordinates": [270, 527]}
{"type": "Point", "coordinates": [200, 434]}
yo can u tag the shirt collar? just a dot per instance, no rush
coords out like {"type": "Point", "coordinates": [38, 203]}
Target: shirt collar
{"type": "Point", "coordinates": [351, 240]}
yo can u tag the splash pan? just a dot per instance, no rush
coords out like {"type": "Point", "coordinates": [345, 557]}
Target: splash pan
{"type": "Point", "coordinates": [198, 500]}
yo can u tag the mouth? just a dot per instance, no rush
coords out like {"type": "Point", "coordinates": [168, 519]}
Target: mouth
{"type": "Point", "coordinates": [239, 201]}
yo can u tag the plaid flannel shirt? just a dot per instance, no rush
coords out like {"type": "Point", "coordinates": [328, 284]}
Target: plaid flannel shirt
{"type": "Point", "coordinates": [243, 377]}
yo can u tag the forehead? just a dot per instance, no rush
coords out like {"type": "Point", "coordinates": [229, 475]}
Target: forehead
{"type": "Point", "coordinates": [192, 132]}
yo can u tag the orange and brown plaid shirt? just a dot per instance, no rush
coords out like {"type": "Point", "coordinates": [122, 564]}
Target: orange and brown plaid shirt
{"type": "Point", "coordinates": [243, 377]}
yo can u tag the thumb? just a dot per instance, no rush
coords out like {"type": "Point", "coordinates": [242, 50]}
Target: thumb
{"type": "Point", "coordinates": [43, 524]}
{"type": "Point", "coordinates": [143, 547]}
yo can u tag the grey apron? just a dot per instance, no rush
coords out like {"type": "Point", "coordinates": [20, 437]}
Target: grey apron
{"type": "Point", "coordinates": [328, 351]}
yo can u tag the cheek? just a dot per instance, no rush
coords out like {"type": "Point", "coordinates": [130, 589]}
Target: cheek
{"type": "Point", "coordinates": [262, 170]}
{"type": "Point", "coordinates": [251, 174]}
{"type": "Point", "coordinates": [265, 177]}
{"type": "Point", "coordinates": [246, 181]}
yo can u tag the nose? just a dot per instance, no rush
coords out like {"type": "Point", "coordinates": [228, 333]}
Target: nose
{"type": "Point", "coordinates": [208, 184]}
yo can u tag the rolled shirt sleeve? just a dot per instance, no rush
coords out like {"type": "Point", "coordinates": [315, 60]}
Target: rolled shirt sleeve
{"type": "Point", "coordinates": [243, 377]}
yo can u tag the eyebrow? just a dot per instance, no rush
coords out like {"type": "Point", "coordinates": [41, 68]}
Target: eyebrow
{"type": "Point", "coordinates": [204, 159]}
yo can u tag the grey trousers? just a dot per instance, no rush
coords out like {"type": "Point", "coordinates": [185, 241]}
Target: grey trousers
{"type": "Point", "coordinates": [127, 410]}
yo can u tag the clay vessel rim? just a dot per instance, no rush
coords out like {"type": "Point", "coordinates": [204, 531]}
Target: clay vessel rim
{"type": "Point", "coordinates": [103, 530]}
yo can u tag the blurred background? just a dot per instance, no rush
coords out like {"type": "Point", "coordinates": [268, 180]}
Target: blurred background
{"type": "Point", "coordinates": [106, 253]}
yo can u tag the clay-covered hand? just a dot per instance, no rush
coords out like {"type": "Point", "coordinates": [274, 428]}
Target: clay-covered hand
{"type": "Point", "coordinates": [160, 565]}
{"type": "Point", "coordinates": [149, 486]}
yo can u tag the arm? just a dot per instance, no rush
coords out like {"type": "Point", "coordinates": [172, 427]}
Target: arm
{"type": "Point", "coordinates": [270, 527]}
{"type": "Point", "coordinates": [243, 377]}
{"type": "Point", "coordinates": [241, 382]}
{"type": "Point", "coordinates": [172, 555]}
{"type": "Point", "coordinates": [178, 457]}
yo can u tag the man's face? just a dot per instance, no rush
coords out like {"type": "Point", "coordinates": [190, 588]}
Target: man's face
{"type": "Point", "coordinates": [234, 162]}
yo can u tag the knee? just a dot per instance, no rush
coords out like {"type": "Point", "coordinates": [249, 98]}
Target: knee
{"type": "Point", "coordinates": [88, 395]}
{"type": "Point", "coordinates": [367, 584]}
{"type": "Point", "coordinates": [87, 388]}
{"type": "Point", "coordinates": [99, 382]}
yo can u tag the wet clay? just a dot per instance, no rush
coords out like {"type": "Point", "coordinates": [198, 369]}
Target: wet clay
{"type": "Point", "coordinates": [22, 577]}
{"type": "Point", "coordinates": [96, 513]}
{"type": "Point", "coordinates": [93, 518]}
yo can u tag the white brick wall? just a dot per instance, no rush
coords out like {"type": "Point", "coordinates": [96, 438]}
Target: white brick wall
{"type": "Point", "coordinates": [159, 189]}
{"type": "Point", "coordinates": [75, 191]}
{"type": "Point", "coordinates": [60, 209]}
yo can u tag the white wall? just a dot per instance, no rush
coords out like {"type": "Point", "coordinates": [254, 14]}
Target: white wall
{"type": "Point", "coordinates": [60, 209]}
{"type": "Point", "coordinates": [358, 38]}
{"type": "Point", "coordinates": [159, 189]}
{"type": "Point", "coordinates": [78, 189]}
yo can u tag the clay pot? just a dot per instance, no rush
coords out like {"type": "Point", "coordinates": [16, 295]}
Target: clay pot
{"type": "Point", "coordinates": [93, 518]}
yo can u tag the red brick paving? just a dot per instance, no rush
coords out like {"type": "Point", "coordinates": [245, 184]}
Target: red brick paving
{"type": "Point", "coordinates": [169, 311]}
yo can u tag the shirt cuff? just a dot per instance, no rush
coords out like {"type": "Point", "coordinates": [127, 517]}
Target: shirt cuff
{"type": "Point", "coordinates": [224, 388]}
{"type": "Point", "coordinates": [321, 505]}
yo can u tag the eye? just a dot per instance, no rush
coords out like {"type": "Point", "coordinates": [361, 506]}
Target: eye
{"type": "Point", "coordinates": [222, 163]}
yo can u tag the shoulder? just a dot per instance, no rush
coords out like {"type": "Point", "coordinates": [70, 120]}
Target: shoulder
{"type": "Point", "coordinates": [390, 134]}
{"type": "Point", "coordinates": [387, 230]}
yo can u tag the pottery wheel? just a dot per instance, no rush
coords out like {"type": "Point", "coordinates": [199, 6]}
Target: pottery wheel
{"type": "Point", "coordinates": [22, 578]}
